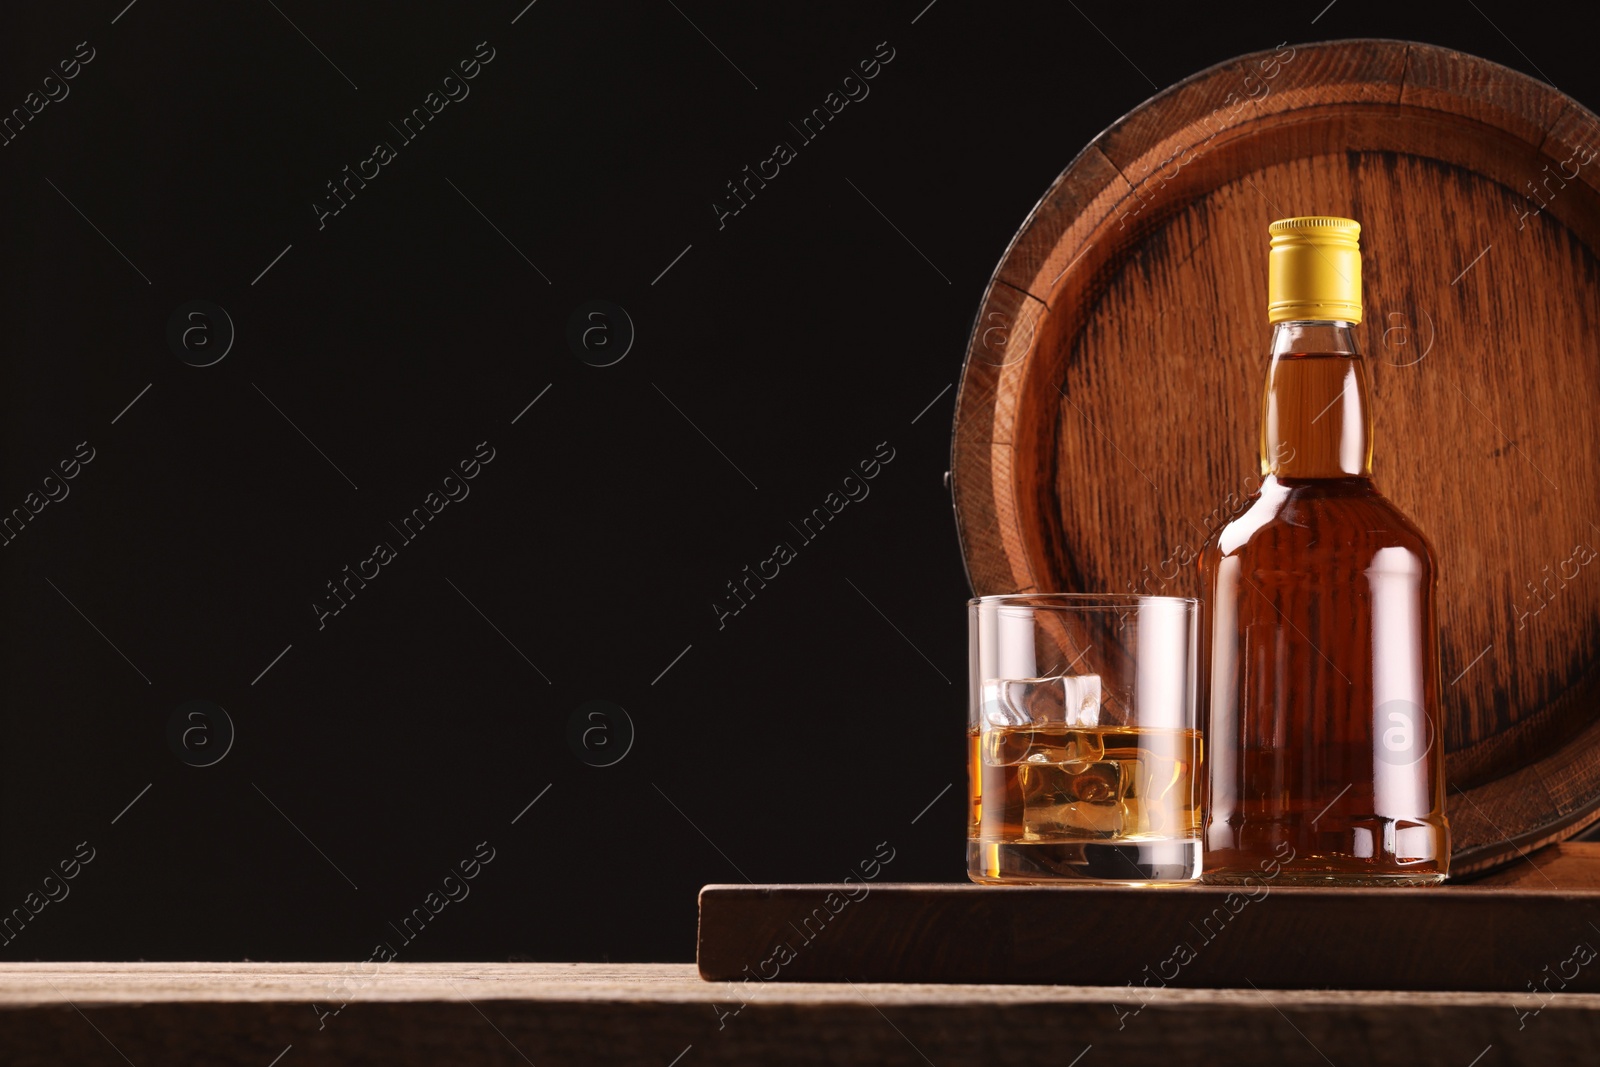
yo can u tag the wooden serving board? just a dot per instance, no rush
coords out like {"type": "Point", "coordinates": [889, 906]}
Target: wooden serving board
{"type": "Point", "coordinates": [1109, 408]}
{"type": "Point", "coordinates": [1536, 925]}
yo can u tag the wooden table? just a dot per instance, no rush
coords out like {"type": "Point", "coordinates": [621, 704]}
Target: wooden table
{"type": "Point", "coordinates": [467, 1014]}
{"type": "Point", "coordinates": [546, 1014]}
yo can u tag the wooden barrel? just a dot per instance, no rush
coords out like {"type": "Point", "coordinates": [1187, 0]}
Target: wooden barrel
{"type": "Point", "coordinates": [1110, 403]}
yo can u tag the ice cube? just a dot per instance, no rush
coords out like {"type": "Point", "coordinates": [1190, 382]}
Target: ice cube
{"type": "Point", "coordinates": [1159, 772]}
{"type": "Point", "coordinates": [1100, 784]}
{"type": "Point", "coordinates": [1072, 802]}
{"type": "Point", "coordinates": [1070, 751]}
{"type": "Point", "coordinates": [1022, 701]}
{"type": "Point", "coordinates": [1064, 699]}
{"type": "Point", "coordinates": [1083, 699]}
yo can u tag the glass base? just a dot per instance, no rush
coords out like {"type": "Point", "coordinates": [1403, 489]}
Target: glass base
{"type": "Point", "coordinates": [1052, 862]}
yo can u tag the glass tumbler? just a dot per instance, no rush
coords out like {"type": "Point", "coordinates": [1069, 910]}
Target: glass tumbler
{"type": "Point", "coordinates": [1084, 750]}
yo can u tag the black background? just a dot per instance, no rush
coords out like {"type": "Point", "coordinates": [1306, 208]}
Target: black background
{"type": "Point", "coordinates": [778, 351]}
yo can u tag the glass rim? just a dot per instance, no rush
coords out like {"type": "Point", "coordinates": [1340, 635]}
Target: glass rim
{"type": "Point", "coordinates": [1078, 601]}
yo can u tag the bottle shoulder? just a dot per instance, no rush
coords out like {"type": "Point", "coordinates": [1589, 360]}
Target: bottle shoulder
{"type": "Point", "coordinates": [1346, 515]}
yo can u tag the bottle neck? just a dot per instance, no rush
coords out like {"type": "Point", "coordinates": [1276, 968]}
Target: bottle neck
{"type": "Point", "coordinates": [1316, 420]}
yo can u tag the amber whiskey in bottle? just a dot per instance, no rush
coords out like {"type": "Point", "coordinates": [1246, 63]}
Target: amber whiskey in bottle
{"type": "Point", "coordinates": [1326, 762]}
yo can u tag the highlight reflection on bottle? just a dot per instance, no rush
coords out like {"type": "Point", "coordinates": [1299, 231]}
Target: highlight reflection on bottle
{"type": "Point", "coordinates": [1322, 726]}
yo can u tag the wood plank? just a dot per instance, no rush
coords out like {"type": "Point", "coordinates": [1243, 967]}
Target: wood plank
{"type": "Point", "coordinates": [1009, 325]}
{"type": "Point", "coordinates": [1484, 937]}
{"type": "Point", "coordinates": [661, 1014]}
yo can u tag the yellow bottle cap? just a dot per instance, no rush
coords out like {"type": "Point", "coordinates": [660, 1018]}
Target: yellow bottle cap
{"type": "Point", "coordinates": [1314, 269]}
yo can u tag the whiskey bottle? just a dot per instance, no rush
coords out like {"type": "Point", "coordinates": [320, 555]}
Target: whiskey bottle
{"type": "Point", "coordinates": [1326, 762]}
